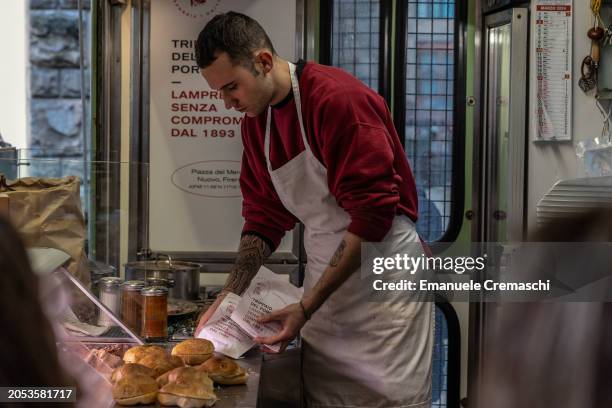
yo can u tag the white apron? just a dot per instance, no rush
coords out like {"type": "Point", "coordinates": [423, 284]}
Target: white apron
{"type": "Point", "coordinates": [356, 353]}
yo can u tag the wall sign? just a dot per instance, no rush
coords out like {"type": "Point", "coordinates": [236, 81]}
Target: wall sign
{"type": "Point", "coordinates": [196, 149]}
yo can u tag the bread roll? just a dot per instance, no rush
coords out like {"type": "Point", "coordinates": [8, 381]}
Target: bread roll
{"type": "Point", "coordinates": [223, 370]}
{"type": "Point", "coordinates": [172, 375]}
{"type": "Point", "coordinates": [194, 351]}
{"type": "Point", "coordinates": [190, 389]}
{"type": "Point", "coordinates": [137, 353]}
{"type": "Point", "coordinates": [135, 389]}
{"type": "Point", "coordinates": [131, 369]}
{"type": "Point", "coordinates": [160, 363]}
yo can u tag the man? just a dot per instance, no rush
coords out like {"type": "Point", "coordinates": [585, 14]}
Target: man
{"type": "Point", "coordinates": [320, 147]}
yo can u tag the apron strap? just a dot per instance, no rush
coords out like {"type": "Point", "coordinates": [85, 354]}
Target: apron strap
{"type": "Point", "coordinates": [267, 139]}
{"type": "Point", "coordinates": [298, 103]}
{"type": "Point", "coordinates": [295, 86]}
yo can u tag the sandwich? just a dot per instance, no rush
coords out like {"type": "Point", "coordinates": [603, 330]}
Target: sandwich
{"type": "Point", "coordinates": [160, 363]}
{"type": "Point", "coordinates": [137, 353]}
{"type": "Point", "coordinates": [194, 351]}
{"type": "Point", "coordinates": [191, 388]}
{"type": "Point", "coordinates": [135, 389]}
{"type": "Point", "coordinates": [130, 370]}
{"type": "Point", "coordinates": [223, 370]}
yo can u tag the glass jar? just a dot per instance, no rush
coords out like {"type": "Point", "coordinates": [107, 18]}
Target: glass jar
{"type": "Point", "coordinates": [110, 296]}
{"type": "Point", "coordinates": [132, 304]}
{"type": "Point", "coordinates": [155, 313]}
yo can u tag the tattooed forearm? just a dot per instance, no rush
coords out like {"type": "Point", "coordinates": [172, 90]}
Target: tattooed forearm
{"type": "Point", "coordinates": [252, 253]}
{"type": "Point", "coordinates": [343, 263]}
{"type": "Point", "coordinates": [335, 260]}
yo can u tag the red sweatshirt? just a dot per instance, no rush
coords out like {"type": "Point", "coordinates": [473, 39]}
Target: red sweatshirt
{"type": "Point", "coordinates": [350, 131]}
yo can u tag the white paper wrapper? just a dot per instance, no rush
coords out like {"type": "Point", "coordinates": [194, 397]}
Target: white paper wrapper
{"type": "Point", "coordinates": [224, 333]}
{"type": "Point", "coordinates": [267, 292]}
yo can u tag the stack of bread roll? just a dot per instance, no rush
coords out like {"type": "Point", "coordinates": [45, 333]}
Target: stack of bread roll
{"type": "Point", "coordinates": [184, 378]}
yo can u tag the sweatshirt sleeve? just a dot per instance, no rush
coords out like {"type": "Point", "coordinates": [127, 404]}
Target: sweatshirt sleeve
{"type": "Point", "coordinates": [263, 212]}
{"type": "Point", "coordinates": [359, 155]}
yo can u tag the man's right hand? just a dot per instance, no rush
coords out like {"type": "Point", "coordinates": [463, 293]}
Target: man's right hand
{"type": "Point", "coordinates": [208, 314]}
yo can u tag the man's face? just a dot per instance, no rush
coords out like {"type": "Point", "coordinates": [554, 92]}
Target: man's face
{"type": "Point", "coordinates": [240, 87]}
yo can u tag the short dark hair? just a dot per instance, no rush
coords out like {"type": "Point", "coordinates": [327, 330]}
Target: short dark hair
{"type": "Point", "coordinates": [234, 33]}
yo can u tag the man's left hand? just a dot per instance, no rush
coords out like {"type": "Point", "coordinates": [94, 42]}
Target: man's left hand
{"type": "Point", "coordinates": [291, 319]}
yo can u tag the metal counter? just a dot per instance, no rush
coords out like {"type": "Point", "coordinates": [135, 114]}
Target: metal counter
{"type": "Point", "coordinates": [242, 396]}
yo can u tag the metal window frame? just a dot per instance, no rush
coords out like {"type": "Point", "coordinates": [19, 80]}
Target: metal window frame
{"type": "Point", "coordinates": [106, 123]}
{"type": "Point", "coordinates": [138, 229]}
{"type": "Point", "coordinates": [457, 196]}
{"type": "Point", "coordinates": [453, 386]}
{"type": "Point", "coordinates": [518, 18]}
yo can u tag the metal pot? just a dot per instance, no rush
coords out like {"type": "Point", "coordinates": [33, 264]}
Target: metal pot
{"type": "Point", "coordinates": [183, 277]}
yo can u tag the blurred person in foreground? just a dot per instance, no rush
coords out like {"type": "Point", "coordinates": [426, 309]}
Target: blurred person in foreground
{"type": "Point", "coordinates": [28, 352]}
{"type": "Point", "coordinates": [556, 353]}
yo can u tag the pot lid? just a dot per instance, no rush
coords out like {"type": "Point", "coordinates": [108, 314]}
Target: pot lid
{"type": "Point", "coordinates": [110, 281]}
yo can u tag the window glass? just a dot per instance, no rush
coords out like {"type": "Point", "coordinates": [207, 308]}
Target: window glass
{"type": "Point", "coordinates": [355, 38]}
{"type": "Point", "coordinates": [429, 110]}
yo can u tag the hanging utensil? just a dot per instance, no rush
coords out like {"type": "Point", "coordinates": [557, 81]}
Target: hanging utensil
{"type": "Point", "coordinates": [596, 34]}
{"type": "Point", "coordinates": [588, 74]}
{"type": "Point", "coordinates": [590, 64]}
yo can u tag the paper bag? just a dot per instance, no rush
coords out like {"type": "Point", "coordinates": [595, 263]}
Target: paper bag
{"type": "Point", "coordinates": [266, 293]}
{"type": "Point", "coordinates": [224, 333]}
{"type": "Point", "coordinates": [47, 213]}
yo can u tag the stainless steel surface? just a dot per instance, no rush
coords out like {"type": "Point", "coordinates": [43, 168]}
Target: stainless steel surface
{"type": "Point", "coordinates": [229, 256]}
{"type": "Point", "coordinates": [517, 128]}
{"type": "Point", "coordinates": [185, 275]}
{"type": "Point", "coordinates": [505, 123]}
{"type": "Point", "coordinates": [242, 396]}
{"type": "Point", "coordinates": [280, 385]}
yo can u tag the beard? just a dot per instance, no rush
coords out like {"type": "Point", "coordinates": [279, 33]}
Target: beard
{"type": "Point", "coordinates": [260, 104]}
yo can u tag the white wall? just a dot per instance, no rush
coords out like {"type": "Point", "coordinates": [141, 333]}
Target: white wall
{"type": "Point", "coordinates": [13, 72]}
{"type": "Point", "coordinates": [551, 162]}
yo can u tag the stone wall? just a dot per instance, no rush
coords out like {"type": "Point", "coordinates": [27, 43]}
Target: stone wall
{"type": "Point", "coordinates": [55, 83]}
